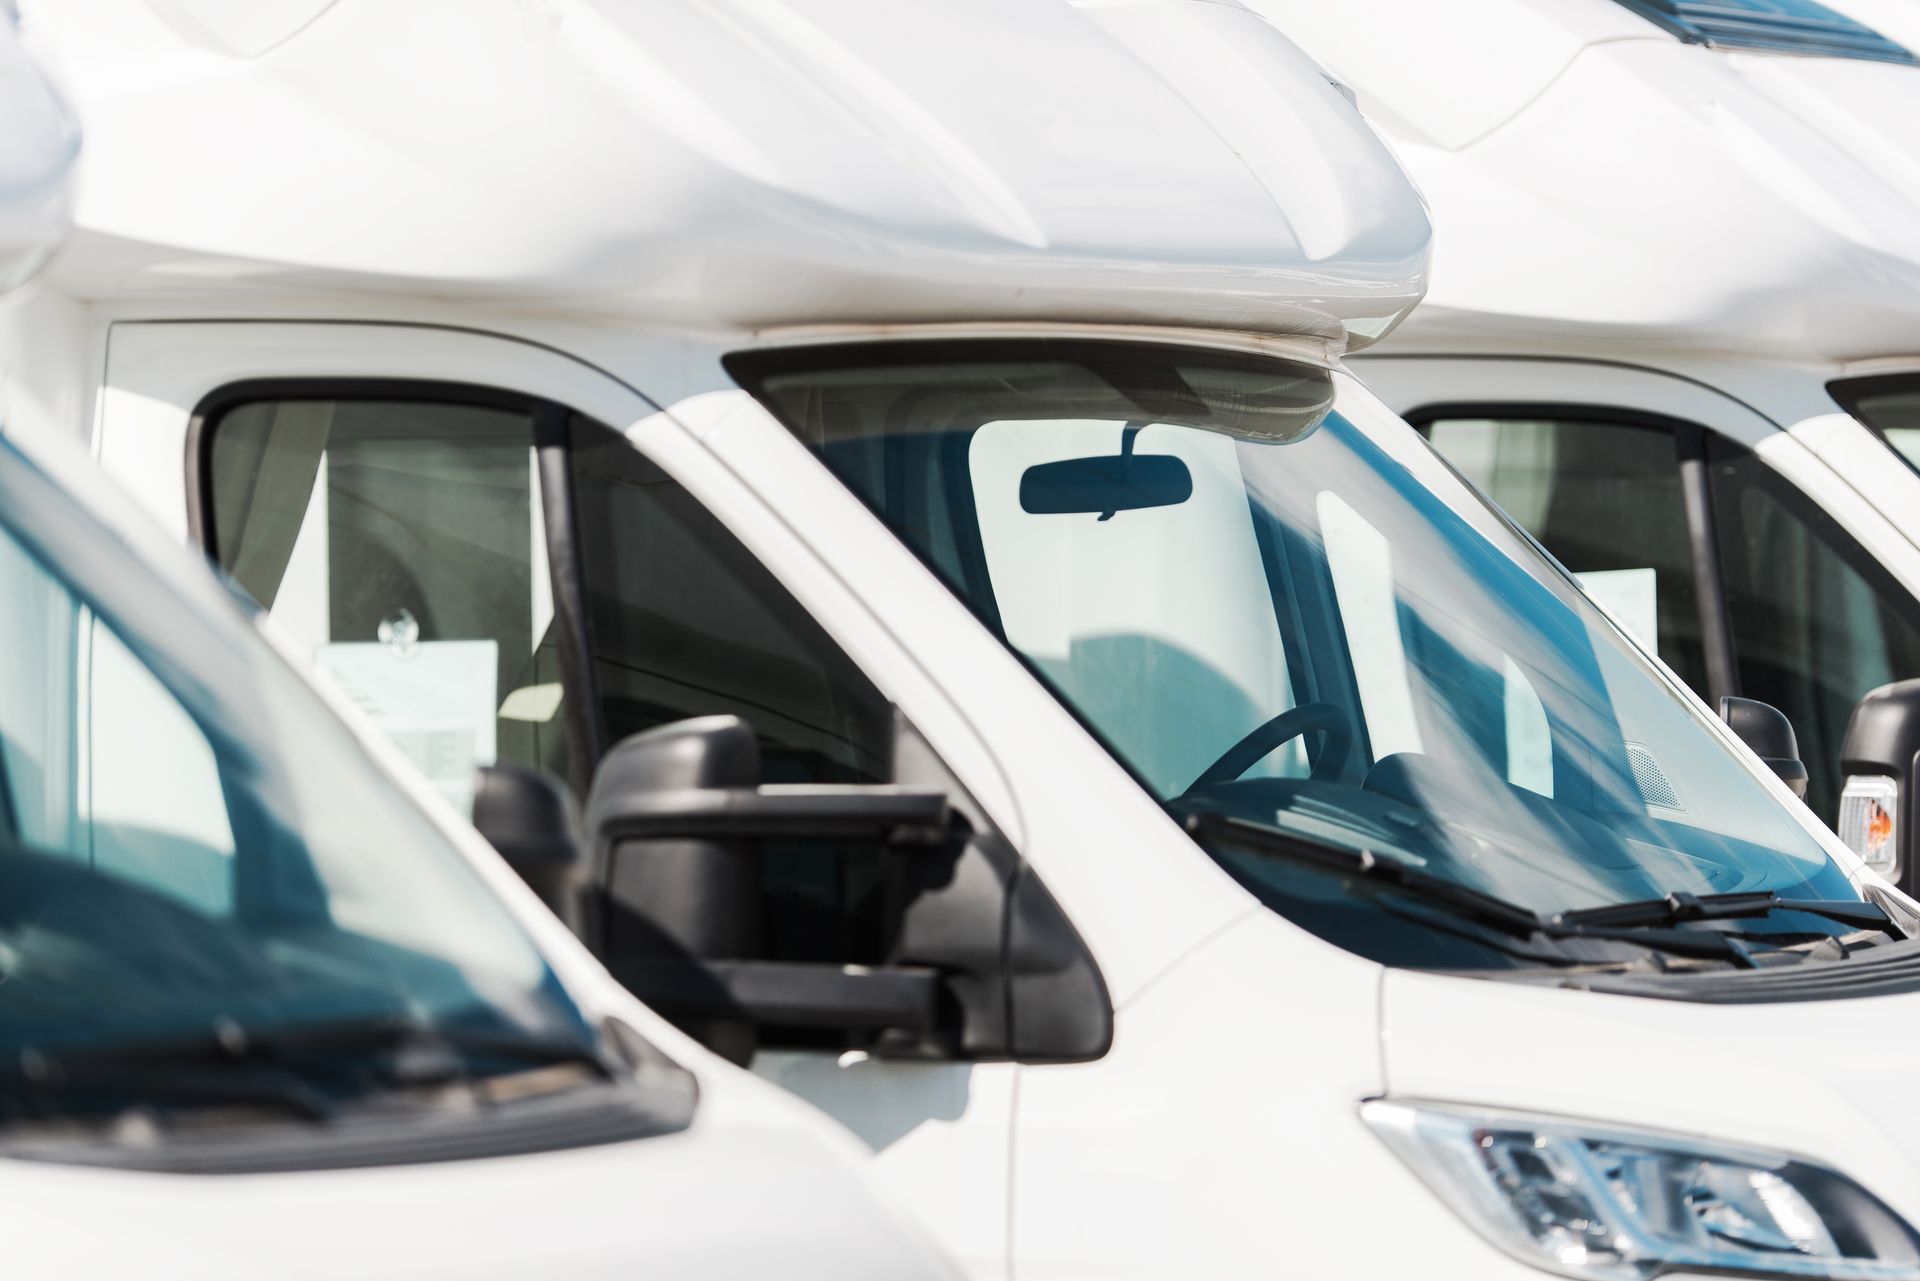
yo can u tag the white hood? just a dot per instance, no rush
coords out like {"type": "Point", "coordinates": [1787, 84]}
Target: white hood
{"type": "Point", "coordinates": [1826, 1079]}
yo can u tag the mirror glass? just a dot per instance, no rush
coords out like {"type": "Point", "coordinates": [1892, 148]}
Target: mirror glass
{"type": "Point", "coordinates": [1105, 484]}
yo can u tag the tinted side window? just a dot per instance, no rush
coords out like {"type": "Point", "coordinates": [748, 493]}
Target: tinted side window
{"type": "Point", "coordinates": [1816, 623]}
{"type": "Point", "coordinates": [402, 544]}
{"type": "Point", "coordinates": [683, 622]}
{"type": "Point", "coordinates": [1605, 498]}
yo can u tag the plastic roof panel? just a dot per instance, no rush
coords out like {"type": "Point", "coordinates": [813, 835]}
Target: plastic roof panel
{"type": "Point", "coordinates": [744, 164]}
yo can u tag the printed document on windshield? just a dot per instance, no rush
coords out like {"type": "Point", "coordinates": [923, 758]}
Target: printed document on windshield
{"type": "Point", "coordinates": [434, 699]}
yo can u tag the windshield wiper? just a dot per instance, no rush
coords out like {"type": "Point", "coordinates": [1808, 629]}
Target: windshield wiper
{"type": "Point", "coordinates": [1464, 900]}
{"type": "Point", "coordinates": [1476, 905]}
{"type": "Point", "coordinates": [1680, 907]}
{"type": "Point", "coordinates": [225, 1042]}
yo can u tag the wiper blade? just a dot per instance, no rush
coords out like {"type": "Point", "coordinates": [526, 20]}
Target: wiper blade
{"type": "Point", "coordinates": [1678, 908]}
{"type": "Point", "coordinates": [1485, 908]}
{"type": "Point", "coordinates": [1476, 905]}
{"type": "Point", "coordinates": [38, 1077]}
{"type": "Point", "coordinates": [225, 1042]}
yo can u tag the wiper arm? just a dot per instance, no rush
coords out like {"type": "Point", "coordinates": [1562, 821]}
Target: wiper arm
{"type": "Point", "coordinates": [1679, 907]}
{"type": "Point", "coordinates": [39, 1075]}
{"type": "Point", "coordinates": [1464, 900]}
{"type": "Point", "coordinates": [224, 1042]}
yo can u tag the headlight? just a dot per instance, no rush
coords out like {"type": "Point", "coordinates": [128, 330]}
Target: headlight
{"type": "Point", "coordinates": [1617, 1205]}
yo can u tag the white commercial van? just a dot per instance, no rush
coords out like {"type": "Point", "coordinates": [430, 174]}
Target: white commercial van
{"type": "Point", "coordinates": [1674, 330]}
{"type": "Point", "coordinates": [896, 461]}
{"type": "Point", "coordinates": [265, 1012]}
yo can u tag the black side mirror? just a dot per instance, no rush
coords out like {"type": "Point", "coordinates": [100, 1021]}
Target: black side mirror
{"type": "Point", "coordinates": [681, 834]}
{"type": "Point", "coordinates": [528, 817]}
{"type": "Point", "coordinates": [1766, 729]}
{"type": "Point", "coordinates": [1880, 757]}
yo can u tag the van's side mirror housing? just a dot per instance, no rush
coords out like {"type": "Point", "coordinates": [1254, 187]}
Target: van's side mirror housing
{"type": "Point", "coordinates": [680, 830]}
{"type": "Point", "coordinates": [1766, 729]}
{"type": "Point", "coordinates": [1880, 758]}
{"type": "Point", "coordinates": [528, 816]}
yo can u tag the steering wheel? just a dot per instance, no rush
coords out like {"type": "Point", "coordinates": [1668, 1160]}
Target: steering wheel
{"type": "Point", "coordinates": [1290, 724]}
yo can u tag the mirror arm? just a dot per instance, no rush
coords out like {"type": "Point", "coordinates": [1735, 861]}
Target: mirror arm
{"type": "Point", "coordinates": [789, 993]}
{"type": "Point", "coordinates": [896, 815]}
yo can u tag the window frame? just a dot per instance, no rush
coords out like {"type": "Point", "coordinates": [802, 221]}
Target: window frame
{"type": "Point", "coordinates": [1690, 464]}
{"type": "Point", "coordinates": [1849, 393]}
{"type": "Point", "coordinates": [585, 731]}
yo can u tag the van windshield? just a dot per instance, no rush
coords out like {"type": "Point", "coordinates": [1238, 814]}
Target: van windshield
{"type": "Point", "coordinates": [209, 895]}
{"type": "Point", "coordinates": [1271, 602]}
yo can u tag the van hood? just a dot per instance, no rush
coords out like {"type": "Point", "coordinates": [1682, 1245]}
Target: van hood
{"type": "Point", "coordinates": [1825, 1079]}
{"type": "Point", "coordinates": [737, 165]}
{"type": "Point", "coordinates": [714, 1203]}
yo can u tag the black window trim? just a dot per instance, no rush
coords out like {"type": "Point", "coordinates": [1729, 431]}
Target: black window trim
{"type": "Point", "coordinates": [1690, 463]}
{"type": "Point", "coordinates": [549, 420]}
{"type": "Point", "coordinates": [1850, 393]}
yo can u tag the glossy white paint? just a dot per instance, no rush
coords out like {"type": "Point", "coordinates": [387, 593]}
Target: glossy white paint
{"type": "Point", "coordinates": [1219, 1138]}
{"type": "Point", "coordinates": [38, 150]}
{"type": "Point", "coordinates": [584, 156]}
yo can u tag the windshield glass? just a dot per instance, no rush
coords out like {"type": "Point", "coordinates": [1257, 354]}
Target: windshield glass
{"type": "Point", "coordinates": [1272, 602]}
{"type": "Point", "coordinates": [196, 853]}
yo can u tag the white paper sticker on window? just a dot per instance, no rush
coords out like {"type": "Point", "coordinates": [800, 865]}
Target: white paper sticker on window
{"type": "Point", "coordinates": [434, 699]}
{"type": "Point", "coordinates": [1631, 596]}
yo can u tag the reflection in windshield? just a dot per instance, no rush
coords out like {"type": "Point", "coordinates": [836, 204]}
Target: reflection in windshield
{"type": "Point", "coordinates": [1294, 615]}
{"type": "Point", "coordinates": [169, 876]}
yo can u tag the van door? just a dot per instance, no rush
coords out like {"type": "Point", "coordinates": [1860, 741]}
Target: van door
{"type": "Point", "coordinates": [1701, 535]}
{"type": "Point", "coordinates": [452, 526]}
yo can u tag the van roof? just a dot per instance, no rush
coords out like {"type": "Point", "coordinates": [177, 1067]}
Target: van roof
{"type": "Point", "coordinates": [736, 165]}
{"type": "Point", "coordinates": [38, 146]}
{"type": "Point", "coordinates": [1596, 179]}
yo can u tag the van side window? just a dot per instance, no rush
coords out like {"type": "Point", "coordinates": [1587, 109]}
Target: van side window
{"type": "Point", "coordinates": [683, 622]}
{"type": "Point", "coordinates": [1605, 498]}
{"type": "Point", "coordinates": [401, 544]}
{"type": "Point", "coordinates": [1816, 623]}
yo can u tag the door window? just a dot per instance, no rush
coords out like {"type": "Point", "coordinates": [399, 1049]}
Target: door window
{"type": "Point", "coordinates": [1816, 623]}
{"type": "Point", "coordinates": [401, 543]}
{"type": "Point", "coordinates": [684, 622]}
{"type": "Point", "coordinates": [1605, 498]}
{"type": "Point", "coordinates": [1888, 405]}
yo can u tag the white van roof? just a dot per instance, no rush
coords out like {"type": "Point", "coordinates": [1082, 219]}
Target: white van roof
{"type": "Point", "coordinates": [739, 165]}
{"type": "Point", "coordinates": [39, 142]}
{"type": "Point", "coordinates": [1594, 178]}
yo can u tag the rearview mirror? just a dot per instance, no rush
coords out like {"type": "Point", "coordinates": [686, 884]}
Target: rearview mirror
{"type": "Point", "coordinates": [1105, 484]}
{"type": "Point", "coordinates": [1766, 729]}
{"type": "Point", "coordinates": [1880, 757]}
{"type": "Point", "coordinates": [954, 935]}
{"type": "Point", "coordinates": [528, 817]}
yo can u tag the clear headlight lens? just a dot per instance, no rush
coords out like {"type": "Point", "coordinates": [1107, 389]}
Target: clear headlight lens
{"type": "Point", "coordinates": [1617, 1205]}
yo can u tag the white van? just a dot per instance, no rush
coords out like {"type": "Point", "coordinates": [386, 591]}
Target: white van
{"type": "Point", "coordinates": [896, 461]}
{"type": "Point", "coordinates": [263, 1010]}
{"type": "Point", "coordinates": [1674, 329]}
